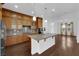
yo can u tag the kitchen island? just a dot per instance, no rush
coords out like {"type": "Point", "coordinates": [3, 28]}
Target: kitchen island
{"type": "Point", "coordinates": [41, 42]}
{"type": "Point", "coordinates": [28, 44]}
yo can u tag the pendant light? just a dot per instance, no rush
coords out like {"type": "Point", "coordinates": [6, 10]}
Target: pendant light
{"type": "Point", "coordinates": [34, 18]}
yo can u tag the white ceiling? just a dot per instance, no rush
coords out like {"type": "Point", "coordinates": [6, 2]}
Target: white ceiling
{"type": "Point", "coordinates": [39, 9]}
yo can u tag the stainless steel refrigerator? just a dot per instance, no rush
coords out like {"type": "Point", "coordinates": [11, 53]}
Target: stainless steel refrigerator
{"type": "Point", "coordinates": [2, 37]}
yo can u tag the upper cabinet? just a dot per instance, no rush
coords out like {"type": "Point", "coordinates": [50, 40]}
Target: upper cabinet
{"type": "Point", "coordinates": [13, 18]}
{"type": "Point", "coordinates": [7, 17]}
{"type": "Point", "coordinates": [0, 12]}
{"type": "Point", "coordinates": [27, 20]}
{"type": "Point", "coordinates": [7, 22]}
{"type": "Point", "coordinates": [39, 22]}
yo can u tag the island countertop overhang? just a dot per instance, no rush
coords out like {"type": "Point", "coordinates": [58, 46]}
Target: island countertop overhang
{"type": "Point", "coordinates": [39, 37]}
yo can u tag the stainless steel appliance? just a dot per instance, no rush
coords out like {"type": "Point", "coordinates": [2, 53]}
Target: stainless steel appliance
{"type": "Point", "coordinates": [27, 29]}
{"type": "Point", "coordinates": [2, 37]}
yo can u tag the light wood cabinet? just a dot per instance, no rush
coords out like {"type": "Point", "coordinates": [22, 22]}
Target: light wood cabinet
{"type": "Point", "coordinates": [19, 24]}
{"type": "Point", "coordinates": [12, 40]}
{"type": "Point", "coordinates": [7, 13]}
{"type": "Point", "coordinates": [19, 45]}
{"type": "Point", "coordinates": [7, 22]}
{"type": "Point", "coordinates": [0, 12]}
{"type": "Point", "coordinates": [39, 22]}
{"type": "Point", "coordinates": [27, 21]}
{"type": "Point", "coordinates": [7, 17]}
{"type": "Point", "coordinates": [20, 19]}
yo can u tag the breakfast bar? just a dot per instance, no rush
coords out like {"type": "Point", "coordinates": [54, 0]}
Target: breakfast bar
{"type": "Point", "coordinates": [41, 42]}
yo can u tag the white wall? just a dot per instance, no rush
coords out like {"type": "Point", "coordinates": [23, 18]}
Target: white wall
{"type": "Point", "coordinates": [49, 26]}
{"type": "Point", "coordinates": [70, 17]}
{"type": "Point", "coordinates": [78, 27]}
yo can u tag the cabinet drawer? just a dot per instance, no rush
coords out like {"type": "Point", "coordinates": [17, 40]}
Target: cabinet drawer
{"type": "Point", "coordinates": [10, 41]}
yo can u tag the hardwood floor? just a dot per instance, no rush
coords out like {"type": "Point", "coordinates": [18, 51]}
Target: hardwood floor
{"type": "Point", "coordinates": [55, 51]}
{"type": "Point", "coordinates": [70, 48]}
{"type": "Point", "coordinates": [21, 49]}
{"type": "Point", "coordinates": [64, 46]}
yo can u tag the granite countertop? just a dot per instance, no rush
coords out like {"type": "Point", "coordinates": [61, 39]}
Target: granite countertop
{"type": "Point", "coordinates": [38, 37]}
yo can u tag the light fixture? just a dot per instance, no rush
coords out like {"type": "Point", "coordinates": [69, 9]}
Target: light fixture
{"type": "Point", "coordinates": [16, 6]}
{"type": "Point", "coordinates": [32, 12]}
{"type": "Point", "coordinates": [53, 10]}
{"type": "Point", "coordinates": [46, 21]}
{"type": "Point", "coordinates": [63, 26]}
{"type": "Point", "coordinates": [34, 18]}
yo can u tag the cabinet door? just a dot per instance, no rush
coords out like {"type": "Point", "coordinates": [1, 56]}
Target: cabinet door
{"type": "Point", "coordinates": [28, 48]}
{"type": "Point", "coordinates": [19, 23]}
{"type": "Point", "coordinates": [21, 49]}
{"type": "Point", "coordinates": [39, 22]}
{"type": "Point", "coordinates": [27, 20]}
{"type": "Point", "coordinates": [8, 13]}
{"type": "Point", "coordinates": [10, 41]}
{"type": "Point", "coordinates": [21, 39]}
{"type": "Point", "coordinates": [0, 11]}
{"type": "Point", "coordinates": [0, 14]}
{"type": "Point", "coordinates": [7, 22]}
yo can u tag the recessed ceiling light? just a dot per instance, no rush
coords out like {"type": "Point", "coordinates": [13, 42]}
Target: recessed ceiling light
{"type": "Point", "coordinates": [53, 10]}
{"type": "Point", "coordinates": [63, 26]}
{"type": "Point", "coordinates": [16, 6]}
{"type": "Point", "coordinates": [46, 21]}
{"type": "Point", "coordinates": [32, 12]}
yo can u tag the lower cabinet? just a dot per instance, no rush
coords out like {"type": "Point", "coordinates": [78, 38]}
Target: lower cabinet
{"type": "Point", "coordinates": [22, 49]}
